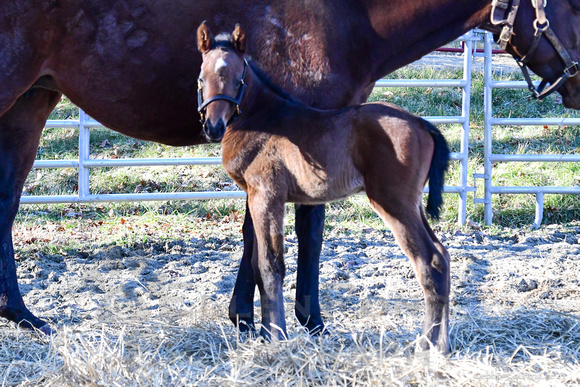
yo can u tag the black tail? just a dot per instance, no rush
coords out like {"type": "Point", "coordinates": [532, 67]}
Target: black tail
{"type": "Point", "coordinates": [437, 171]}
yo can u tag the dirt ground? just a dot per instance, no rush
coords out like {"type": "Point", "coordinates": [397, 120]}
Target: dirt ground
{"type": "Point", "coordinates": [364, 276]}
{"type": "Point", "coordinates": [155, 312]}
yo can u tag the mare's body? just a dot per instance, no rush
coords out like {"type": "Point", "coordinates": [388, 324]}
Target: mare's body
{"type": "Point", "coordinates": [285, 151]}
{"type": "Point", "coordinates": [131, 64]}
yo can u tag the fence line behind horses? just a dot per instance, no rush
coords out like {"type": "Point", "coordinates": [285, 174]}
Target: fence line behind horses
{"type": "Point", "coordinates": [84, 163]}
{"type": "Point", "coordinates": [490, 157]}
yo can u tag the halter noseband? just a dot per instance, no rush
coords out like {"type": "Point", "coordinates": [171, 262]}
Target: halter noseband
{"type": "Point", "coordinates": [542, 27]}
{"type": "Point", "coordinates": [202, 105]}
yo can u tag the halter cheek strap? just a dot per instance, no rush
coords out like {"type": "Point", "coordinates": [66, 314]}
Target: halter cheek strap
{"type": "Point", "coordinates": [542, 28]}
{"type": "Point", "coordinates": [202, 105]}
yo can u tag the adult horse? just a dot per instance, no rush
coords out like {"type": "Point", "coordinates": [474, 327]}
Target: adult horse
{"type": "Point", "coordinates": [132, 64]}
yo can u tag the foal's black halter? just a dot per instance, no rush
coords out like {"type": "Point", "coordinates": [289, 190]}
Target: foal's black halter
{"type": "Point", "coordinates": [202, 105]}
{"type": "Point", "coordinates": [542, 27]}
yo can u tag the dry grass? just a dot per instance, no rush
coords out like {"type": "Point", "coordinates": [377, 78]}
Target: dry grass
{"type": "Point", "coordinates": [520, 348]}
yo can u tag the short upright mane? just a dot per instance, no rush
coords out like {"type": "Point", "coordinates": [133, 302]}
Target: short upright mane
{"type": "Point", "coordinates": [224, 40]}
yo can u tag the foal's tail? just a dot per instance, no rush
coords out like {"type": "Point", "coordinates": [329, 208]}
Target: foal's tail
{"type": "Point", "coordinates": [436, 171]}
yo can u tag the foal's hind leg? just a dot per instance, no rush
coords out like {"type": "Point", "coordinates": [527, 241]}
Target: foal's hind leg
{"type": "Point", "coordinates": [430, 261]}
{"type": "Point", "coordinates": [20, 129]}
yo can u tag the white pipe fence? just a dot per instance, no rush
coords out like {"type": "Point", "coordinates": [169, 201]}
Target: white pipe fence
{"type": "Point", "coordinates": [84, 163]}
{"type": "Point", "coordinates": [490, 157]}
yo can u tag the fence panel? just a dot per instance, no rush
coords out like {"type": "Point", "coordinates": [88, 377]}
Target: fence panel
{"type": "Point", "coordinates": [490, 157]}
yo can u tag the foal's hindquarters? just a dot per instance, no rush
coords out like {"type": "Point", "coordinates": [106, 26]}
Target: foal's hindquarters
{"type": "Point", "coordinates": [378, 148]}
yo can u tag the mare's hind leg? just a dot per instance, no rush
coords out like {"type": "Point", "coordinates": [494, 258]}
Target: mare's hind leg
{"type": "Point", "coordinates": [430, 261]}
{"type": "Point", "coordinates": [20, 129]}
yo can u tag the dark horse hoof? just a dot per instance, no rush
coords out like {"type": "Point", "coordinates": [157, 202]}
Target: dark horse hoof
{"type": "Point", "coordinates": [25, 319]}
{"type": "Point", "coordinates": [246, 328]}
{"type": "Point", "coordinates": [319, 331]}
{"type": "Point", "coordinates": [43, 328]}
{"type": "Point", "coordinates": [46, 329]}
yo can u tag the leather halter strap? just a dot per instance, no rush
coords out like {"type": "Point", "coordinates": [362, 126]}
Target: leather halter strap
{"type": "Point", "coordinates": [542, 28]}
{"type": "Point", "coordinates": [202, 105]}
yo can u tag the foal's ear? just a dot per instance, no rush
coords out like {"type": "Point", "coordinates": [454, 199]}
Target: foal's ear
{"type": "Point", "coordinates": [239, 39]}
{"type": "Point", "coordinates": [205, 40]}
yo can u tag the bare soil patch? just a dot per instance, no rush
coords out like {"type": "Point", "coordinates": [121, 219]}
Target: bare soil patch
{"type": "Point", "coordinates": [155, 312]}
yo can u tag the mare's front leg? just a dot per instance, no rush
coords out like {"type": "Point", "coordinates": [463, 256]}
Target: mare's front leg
{"type": "Point", "coordinates": [268, 260]}
{"type": "Point", "coordinates": [309, 229]}
{"type": "Point", "coordinates": [241, 310]}
{"type": "Point", "coordinates": [20, 129]}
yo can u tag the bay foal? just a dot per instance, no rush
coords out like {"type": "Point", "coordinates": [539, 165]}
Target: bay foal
{"type": "Point", "coordinates": [279, 151]}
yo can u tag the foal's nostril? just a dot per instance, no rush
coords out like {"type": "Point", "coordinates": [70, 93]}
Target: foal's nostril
{"type": "Point", "coordinates": [215, 132]}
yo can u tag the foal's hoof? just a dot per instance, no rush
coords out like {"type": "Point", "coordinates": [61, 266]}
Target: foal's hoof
{"type": "Point", "coordinates": [46, 329]}
{"type": "Point", "coordinates": [246, 331]}
{"type": "Point", "coordinates": [275, 335]}
{"type": "Point", "coordinates": [245, 326]}
{"type": "Point", "coordinates": [425, 346]}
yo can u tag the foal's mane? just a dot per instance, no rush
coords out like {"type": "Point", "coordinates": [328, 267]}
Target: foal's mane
{"type": "Point", "coordinates": [224, 41]}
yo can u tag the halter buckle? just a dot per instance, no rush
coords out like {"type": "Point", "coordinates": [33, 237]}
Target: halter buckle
{"type": "Point", "coordinates": [572, 70]}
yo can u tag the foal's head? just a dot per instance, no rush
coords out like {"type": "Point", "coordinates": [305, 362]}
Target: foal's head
{"type": "Point", "coordinates": [221, 80]}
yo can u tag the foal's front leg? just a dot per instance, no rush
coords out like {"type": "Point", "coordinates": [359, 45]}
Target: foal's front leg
{"type": "Point", "coordinates": [268, 260]}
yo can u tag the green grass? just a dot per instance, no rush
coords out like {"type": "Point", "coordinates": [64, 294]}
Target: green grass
{"type": "Point", "coordinates": [353, 214]}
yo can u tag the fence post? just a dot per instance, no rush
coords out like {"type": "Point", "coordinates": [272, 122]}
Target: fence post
{"type": "Point", "coordinates": [487, 135]}
{"type": "Point", "coordinates": [84, 151]}
{"type": "Point", "coordinates": [465, 113]}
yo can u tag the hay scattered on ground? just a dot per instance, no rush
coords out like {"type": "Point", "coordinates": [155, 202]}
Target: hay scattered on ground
{"type": "Point", "coordinates": [154, 314]}
{"type": "Point", "coordinates": [520, 348]}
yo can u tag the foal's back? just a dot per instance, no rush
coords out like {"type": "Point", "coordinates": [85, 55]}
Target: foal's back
{"type": "Point", "coordinates": [314, 156]}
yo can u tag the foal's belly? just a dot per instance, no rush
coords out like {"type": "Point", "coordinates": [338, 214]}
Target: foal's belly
{"type": "Point", "coordinates": [315, 184]}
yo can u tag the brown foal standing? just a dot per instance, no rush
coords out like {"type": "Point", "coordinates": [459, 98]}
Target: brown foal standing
{"type": "Point", "coordinates": [280, 151]}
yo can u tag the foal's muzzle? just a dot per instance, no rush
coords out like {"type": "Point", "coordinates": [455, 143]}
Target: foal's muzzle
{"type": "Point", "coordinates": [214, 132]}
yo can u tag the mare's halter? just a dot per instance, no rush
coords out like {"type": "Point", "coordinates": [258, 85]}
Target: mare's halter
{"type": "Point", "coordinates": [202, 105]}
{"type": "Point", "coordinates": [504, 15]}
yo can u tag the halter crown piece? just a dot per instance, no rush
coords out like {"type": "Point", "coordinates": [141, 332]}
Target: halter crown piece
{"type": "Point", "coordinates": [202, 105]}
{"type": "Point", "coordinates": [542, 27]}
